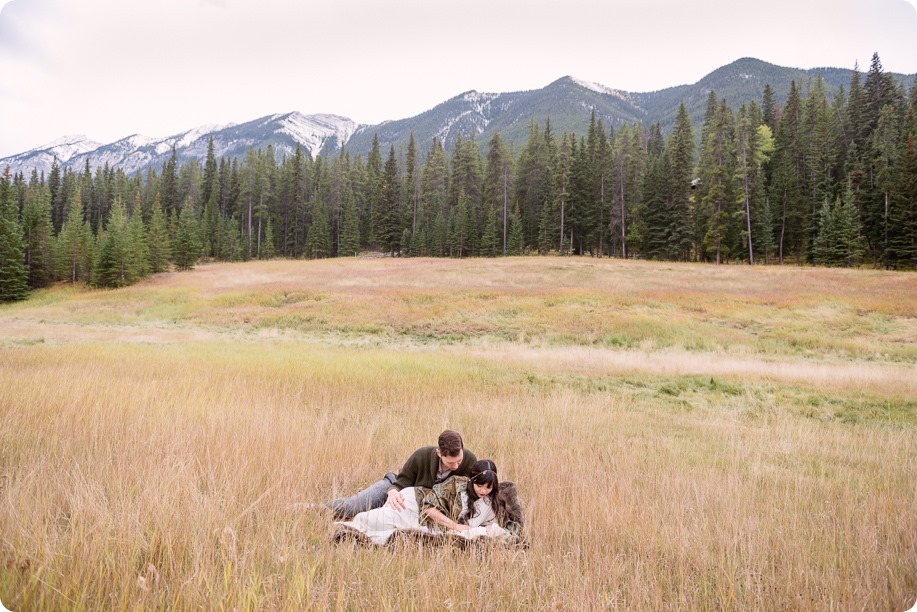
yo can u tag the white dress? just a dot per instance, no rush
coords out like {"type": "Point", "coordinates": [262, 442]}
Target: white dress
{"type": "Point", "coordinates": [379, 524]}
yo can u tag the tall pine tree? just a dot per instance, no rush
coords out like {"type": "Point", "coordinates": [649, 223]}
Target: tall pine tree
{"type": "Point", "coordinates": [13, 272]}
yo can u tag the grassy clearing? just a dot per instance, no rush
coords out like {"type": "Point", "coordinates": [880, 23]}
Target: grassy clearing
{"type": "Point", "coordinates": [813, 314]}
{"type": "Point", "coordinates": [156, 462]}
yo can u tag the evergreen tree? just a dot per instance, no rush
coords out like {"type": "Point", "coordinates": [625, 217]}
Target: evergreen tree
{"type": "Point", "coordinates": [160, 246]}
{"type": "Point", "coordinates": [318, 242]}
{"type": "Point", "coordinates": [681, 163]}
{"type": "Point", "coordinates": [857, 121]}
{"type": "Point", "coordinates": [441, 241]}
{"type": "Point", "coordinates": [556, 216]}
{"type": "Point", "coordinates": [230, 240]}
{"type": "Point", "coordinates": [488, 245]}
{"type": "Point", "coordinates": [466, 180]}
{"type": "Point", "coordinates": [786, 187]}
{"type": "Point", "coordinates": [372, 189]}
{"type": "Point", "coordinates": [210, 179]}
{"type": "Point", "coordinates": [848, 250]}
{"type": "Point", "coordinates": [210, 193]}
{"type": "Point", "coordinates": [516, 241]}
{"type": "Point", "coordinates": [13, 272]}
{"type": "Point", "coordinates": [168, 191]}
{"type": "Point", "coordinates": [73, 247]}
{"type": "Point", "coordinates": [350, 239]}
{"type": "Point", "coordinates": [39, 239]}
{"type": "Point", "coordinates": [603, 188]}
{"type": "Point", "coordinates": [434, 206]}
{"type": "Point", "coordinates": [411, 195]}
{"type": "Point", "coordinates": [267, 249]}
{"type": "Point", "coordinates": [746, 145]}
{"type": "Point", "coordinates": [497, 181]}
{"type": "Point", "coordinates": [820, 152]}
{"type": "Point", "coordinates": [138, 248]}
{"type": "Point", "coordinates": [186, 248]}
{"type": "Point", "coordinates": [534, 187]}
{"type": "Point", "coordinates": [111, 267]}
{"type": "Point", "coordinates": [405, 246]}
{"type": "Point", "coordinates": [714, 212]}
{"type": "Point", "coordinates": [902, 203]}
{"type": "Point", "coordinates": [884, 143]}
{"type": "Point", "coordinates": [387, 223]}
{"type": "Point", "coordinates": [769, 108]}
{"type": "Point", "coordinates": [58, 199]}
{"type": "Point", "coordinates": [459, 243]}
{"type": "Point", "coordinates": [420, 244]}
{"type": "Point", "coordinates": [821, 249]}
{"type": "Point", "coordinates": [838, 241]}
{"type": "Point", "coordinates": [656, 205]}
{"type": "Point", "coordinates": [249, 192]}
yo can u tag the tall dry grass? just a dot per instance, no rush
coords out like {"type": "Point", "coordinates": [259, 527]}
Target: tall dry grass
{"type": "Point", "coordinates": [167, 477]}
{"type": "Point", "coordinates": [158, 463]}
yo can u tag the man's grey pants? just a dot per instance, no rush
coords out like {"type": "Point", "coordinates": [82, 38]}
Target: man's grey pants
{"type": "Point", "coordinates": [369, 498]}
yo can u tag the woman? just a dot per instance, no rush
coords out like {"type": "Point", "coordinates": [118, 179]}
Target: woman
{"type": "Point", "coordinates": [465, 506]}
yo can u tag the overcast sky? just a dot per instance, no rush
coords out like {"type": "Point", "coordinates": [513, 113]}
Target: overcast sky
{"type": "Point", "coordinates": [112, 68]}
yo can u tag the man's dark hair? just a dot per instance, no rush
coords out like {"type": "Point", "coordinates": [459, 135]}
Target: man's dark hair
{"type": "Point", "coordinates": [450, 443]}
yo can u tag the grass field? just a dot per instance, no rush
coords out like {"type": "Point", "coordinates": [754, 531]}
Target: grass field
{"type": "Point", "coordinates": [682, 436]}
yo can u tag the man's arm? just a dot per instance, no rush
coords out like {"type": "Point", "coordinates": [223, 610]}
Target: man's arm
{"type": "Point", "coordinates": [407, 477]}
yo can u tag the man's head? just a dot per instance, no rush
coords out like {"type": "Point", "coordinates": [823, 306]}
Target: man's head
{"type": "Point", "coordinates": [450, 451]}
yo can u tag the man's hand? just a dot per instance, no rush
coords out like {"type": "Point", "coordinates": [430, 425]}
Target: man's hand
{"type": "Point", "coordinates": [395, 500]}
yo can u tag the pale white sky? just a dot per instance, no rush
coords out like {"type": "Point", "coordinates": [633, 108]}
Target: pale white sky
{"type": "Point", "coordinates": [111, 68]}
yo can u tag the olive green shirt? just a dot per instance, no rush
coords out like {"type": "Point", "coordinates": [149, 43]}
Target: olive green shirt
{"type": "Point", "coordinates": [421, 467]}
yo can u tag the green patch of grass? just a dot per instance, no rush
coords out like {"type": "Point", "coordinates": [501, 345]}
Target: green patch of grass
{"type": "Point", "coordinates": [289, 298]}
{"type": "Point", "coordinates": [703, 384]}
{"type": "Point", "coordinates": [859, 409]}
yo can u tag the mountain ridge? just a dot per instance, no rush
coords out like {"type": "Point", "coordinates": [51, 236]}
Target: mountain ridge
{"type": "Point", "coordinates": [567, 101]}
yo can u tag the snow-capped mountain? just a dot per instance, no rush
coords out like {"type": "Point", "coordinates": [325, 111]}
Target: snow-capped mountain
{"type": "Point", "coordinates": [567, 102]}
{"type": "Point", "coordinates": [315, 133]}
{"type": "Point", "coordinates": [63, 149]}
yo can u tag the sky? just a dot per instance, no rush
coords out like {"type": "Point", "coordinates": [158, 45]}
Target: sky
{"type": "Point", "coordinates": [112, 68]}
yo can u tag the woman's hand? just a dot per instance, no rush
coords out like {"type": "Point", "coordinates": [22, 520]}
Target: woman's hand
{"type": "Point", "coordinates": [493, 530]}
{"type": "Point", "coordinates": [438, 517]}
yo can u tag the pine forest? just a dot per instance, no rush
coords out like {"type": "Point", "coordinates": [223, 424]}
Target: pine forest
{"type": "Point", "coordinates": [804, 181]}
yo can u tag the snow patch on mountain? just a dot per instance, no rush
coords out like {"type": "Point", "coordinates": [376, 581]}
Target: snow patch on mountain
{"type": "Point", "coordinates": [63, 149]}
{"type": "Point", "coordinates": [138, 153]}
{"type": "Point", "coordinates": [602, 89]}
{"type": "Point", "coordinates": [68, 146]}
{"type": "Point", "coordinates": [314, 131]}
{"type": "Point", "coordinates": [480, 102]}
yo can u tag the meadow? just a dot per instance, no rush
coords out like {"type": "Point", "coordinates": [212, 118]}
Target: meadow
{"type": "Point", "coordinates": [682, 436]}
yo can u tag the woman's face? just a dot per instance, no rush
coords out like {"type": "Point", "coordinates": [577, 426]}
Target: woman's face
{"type": "Point", "coordinates": [482, 490]}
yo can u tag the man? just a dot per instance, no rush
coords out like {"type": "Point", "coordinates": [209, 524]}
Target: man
{"type": "Point", "coordinates": [424, 468]}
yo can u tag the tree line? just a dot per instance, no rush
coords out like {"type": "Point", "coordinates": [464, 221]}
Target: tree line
{"type": "Point", "coordinates": [811, 180]}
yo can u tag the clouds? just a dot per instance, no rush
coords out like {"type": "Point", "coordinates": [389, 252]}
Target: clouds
{"type": "Point", "coordinates": [113, 67]}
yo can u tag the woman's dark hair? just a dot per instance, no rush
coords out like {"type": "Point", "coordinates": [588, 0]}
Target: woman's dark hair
{"type": "Point", "coordinates": [483, 472]}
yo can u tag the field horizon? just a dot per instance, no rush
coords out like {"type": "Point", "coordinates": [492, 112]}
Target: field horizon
{"type": "Point", "coordinates": [681, 434]}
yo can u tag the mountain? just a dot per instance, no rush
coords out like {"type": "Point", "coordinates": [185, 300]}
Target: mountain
{"type": "Point", "coordinates": [568, 102]}
{"type": "Point", "coordinates": [63, 149]}
{"type": "Point", "coordinates": [316, 133]}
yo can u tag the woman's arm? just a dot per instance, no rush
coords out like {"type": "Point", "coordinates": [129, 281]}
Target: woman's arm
{"type": "Point", "coordinates": [436, 516]}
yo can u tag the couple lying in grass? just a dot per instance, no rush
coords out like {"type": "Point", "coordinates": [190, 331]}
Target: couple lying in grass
{"type": "Point", "coordinates": [441, 491]}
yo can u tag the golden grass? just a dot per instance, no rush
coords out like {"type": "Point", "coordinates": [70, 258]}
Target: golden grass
{"type": "Point", "coordinates": [833, 314]}
{"type": "Point", "coordinates": [156, 463]}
